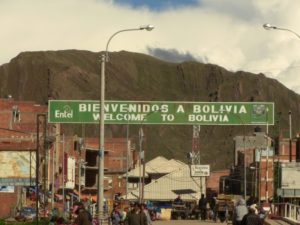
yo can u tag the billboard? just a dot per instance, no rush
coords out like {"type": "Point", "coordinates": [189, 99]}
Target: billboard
{"type": "Point", "coordinates": [17, 168]}
{"type": "Point", "coordinates": [290, 176]}
{"type": "Point", "coordinates": [162, 112]}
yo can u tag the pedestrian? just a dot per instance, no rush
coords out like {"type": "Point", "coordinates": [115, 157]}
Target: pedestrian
{"type": "Point", "coordinates": [203, 207]}
{"type": "Point", "coordinates": [83, 216]}
{"type": "Point", "coordinates": [214, 207]}
{"type": "Point", "coordinates": [178, 200]}
{"type": "Point", "coordinates": [136, 216]}
{"type": "Point", "coordinates": [251, 218]}
{"type": "Point", "coordinates": [116, 215]}
{"type": "Point", "coordinates": [240, 211]}
{"type": "Point", "coordinates": [146, 211]}
{"type": "Point", "coordinates": [124, 216]}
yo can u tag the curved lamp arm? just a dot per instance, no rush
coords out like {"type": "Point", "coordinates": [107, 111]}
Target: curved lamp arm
{"type": "Point", "coordinates": [146, 27]}
{"type": "Point", "coordinates": [268, 26]}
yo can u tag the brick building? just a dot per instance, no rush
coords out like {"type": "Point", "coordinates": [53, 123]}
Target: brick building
{"type": "Point", "coordinates": [257, 154]}
{"type": "Point", "coordinates": [17, 139]}
{"type": "Point", "coordinates": [118, 159]}
{"type": "Point", "coordinates": [65, 161]}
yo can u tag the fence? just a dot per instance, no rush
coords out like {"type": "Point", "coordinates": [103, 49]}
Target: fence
{"type": "Point", "coordinates": [288, 212]}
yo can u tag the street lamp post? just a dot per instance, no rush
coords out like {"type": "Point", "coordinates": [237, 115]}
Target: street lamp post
{"type": "Point", "coordinates": [267, 160]}
{"type": "Point", "coordinates": [268, 26]}
{"type": "Point", "coordinates": [104, 58]}
{"type": "Point", "coordinates": [141, 157]}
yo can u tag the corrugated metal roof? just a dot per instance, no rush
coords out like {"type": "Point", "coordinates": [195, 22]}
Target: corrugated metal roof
{"type": "Point", "coordinates": [158, 165]}
{"type": "Point", "coordinates": [167, 167]}
{"type": "Point", "coordinates": [163, 188]}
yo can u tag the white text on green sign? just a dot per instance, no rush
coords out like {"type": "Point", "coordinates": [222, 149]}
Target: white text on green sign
{"type": "Point", "coordinates": [161, 112]}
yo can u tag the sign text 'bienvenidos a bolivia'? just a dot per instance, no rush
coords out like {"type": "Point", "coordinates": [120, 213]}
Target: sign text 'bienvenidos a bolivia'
{"type": "Point", "coordinates": [161, 112]}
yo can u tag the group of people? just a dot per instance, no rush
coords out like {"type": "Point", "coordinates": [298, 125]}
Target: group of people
{"type": "Point", "coordinates": [78, 216]}
{"type": "Point", "coordinates": [246, 214]}
{"type": "Point", "coordinates": [136, 214]}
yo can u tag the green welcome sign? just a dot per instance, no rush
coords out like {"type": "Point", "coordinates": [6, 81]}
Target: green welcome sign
{"type": "Point", "coordinates": [162, 112]}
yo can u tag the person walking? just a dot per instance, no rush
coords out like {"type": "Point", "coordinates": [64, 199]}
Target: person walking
{"type": "Point", "coordinates": [251, 218]}
{"type": "Point", "coordinates": [214, 208]}
{"type": "Point", "coordinates": [136, 216]}
{"type": "Point", "coordinates": [203, 207]}
{"type": "Point", "coordinates": [240, 211]}
{"type": "Point", "coordinates": [116, 215]}
{"type": "Point", "coordinates": [83, 216]}
{"type": "Point", "coordinates": [146, 211]}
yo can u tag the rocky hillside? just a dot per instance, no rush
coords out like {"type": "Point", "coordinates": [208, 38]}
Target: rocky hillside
{"type": "Point", "coordinates": [73, 74]}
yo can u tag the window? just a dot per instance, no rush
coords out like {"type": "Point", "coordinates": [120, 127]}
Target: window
{"type": "Point", "coordinates": [16, 114]}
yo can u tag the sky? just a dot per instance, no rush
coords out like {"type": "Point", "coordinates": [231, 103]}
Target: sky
{"type": "Point", "coordinates": [227, 33]}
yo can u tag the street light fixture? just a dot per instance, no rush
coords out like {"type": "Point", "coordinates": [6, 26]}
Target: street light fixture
{"type": "Point", "coordinates": [104, 58]}
{"type": "Point", "coordinates": [268, 26]}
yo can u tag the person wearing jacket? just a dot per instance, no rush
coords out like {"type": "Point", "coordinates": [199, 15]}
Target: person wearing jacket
{"type": "Point", "coordinates": [136, 216]}
{"type": "Point", "coordinates": [83, 216]}
{"type": "Point", "coordinates": [202, 204]}
{"type": "Point", "coordinates": [251, 218]}
{"type": "Point", "coordinates": [239, 211]}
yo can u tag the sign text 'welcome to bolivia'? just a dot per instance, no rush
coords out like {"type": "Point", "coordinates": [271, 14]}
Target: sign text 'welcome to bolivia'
{"type": "Point", "coordinates": [161, 112]}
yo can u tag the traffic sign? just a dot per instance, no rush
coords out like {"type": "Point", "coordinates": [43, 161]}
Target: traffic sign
{"type": "Point", "coordinates": [200, 170]}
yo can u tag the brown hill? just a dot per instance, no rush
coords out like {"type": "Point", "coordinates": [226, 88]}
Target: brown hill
{"type": "Point", "coordinates": [73, 74]}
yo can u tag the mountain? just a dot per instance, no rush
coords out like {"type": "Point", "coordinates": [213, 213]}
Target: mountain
{"type": "Point", "coordinates": [74, 74]}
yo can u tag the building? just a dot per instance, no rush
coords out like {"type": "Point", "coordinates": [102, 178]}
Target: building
{"type": "Point", "coordinates": [118, 159]}
{"type": "Point", "coordinates": [289, 186]}
{"type": "Point", "coordinates": [260, 157]}
{"type": "Point", "coordinates": [67, 163]}
{"type": "Point", "coordinates": [216, 183]}
{"type": "Point", "coordinates": [17, 151]}
{"type": "Point", "coordinates": [164, 181]}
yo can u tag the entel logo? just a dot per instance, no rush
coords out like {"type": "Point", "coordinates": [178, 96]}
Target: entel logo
{"type": "Point", "coordinates": [66, 113]}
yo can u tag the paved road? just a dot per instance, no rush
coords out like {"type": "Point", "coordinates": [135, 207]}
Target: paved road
{"type": "Point", "coordinates": [186, 222]}
{"type": "Point", "coordinates": [199, 222]}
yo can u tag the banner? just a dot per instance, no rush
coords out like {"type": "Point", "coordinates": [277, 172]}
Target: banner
{"type": "Point", "coordinates": [162, 112]}
{"type": "Point", "coordinates": [17, 168]}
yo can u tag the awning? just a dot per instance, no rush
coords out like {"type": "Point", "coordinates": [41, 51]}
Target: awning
{"type": "Point", "coordinates": [184, 191]}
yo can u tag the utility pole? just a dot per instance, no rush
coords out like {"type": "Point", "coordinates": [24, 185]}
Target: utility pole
{"type": "Point", "coordinates": [267, 159]}
{"type": "Point", "coordinates": [40, 145]}
{"type": "Point", "coordinates": [290, 144]}
{"type": "Point", "coordinates": [195, 155]}
{"type": "Point", "coordinates": [79, 178]}
{"type": "Point", "coordinates": [141, 136]}
{"type": "Point", "coordinates": [144, 169]}
{"type": "Point", "coordinates": [127, 157]}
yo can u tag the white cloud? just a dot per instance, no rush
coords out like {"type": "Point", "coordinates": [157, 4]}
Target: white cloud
{"type": "Point", "coordinates": [224, 32]}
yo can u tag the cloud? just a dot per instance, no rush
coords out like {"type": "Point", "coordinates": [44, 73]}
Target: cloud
{"type": "Point", "coordinates": [157, 5]}
{"type": "Point", "coordinates": [172, 55]}
{"type": "Point", "coordinates": [228, 33]}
